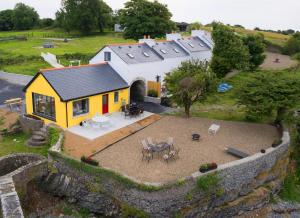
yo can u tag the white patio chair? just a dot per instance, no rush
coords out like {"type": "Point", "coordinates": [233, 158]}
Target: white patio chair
{"type": "Point", "coordinates": [214, 128]}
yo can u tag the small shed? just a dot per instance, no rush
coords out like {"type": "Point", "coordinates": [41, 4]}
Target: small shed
{"type": "Point", "coordinates": [48, 45]}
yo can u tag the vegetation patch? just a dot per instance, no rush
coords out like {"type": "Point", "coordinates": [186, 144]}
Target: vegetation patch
{"type": "Point", "coordinates": [208, 182]}
{"type": "Point", "coordinates": [128, 211]}
{"type": "Point", "coordinates": [53, 136]}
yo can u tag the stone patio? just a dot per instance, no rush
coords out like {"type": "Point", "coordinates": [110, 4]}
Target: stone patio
{"type": "Point", "coordinates": [116, 121]}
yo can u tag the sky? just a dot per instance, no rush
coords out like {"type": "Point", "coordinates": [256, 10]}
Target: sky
{"type": "Point", "coordinates": [266, 14]}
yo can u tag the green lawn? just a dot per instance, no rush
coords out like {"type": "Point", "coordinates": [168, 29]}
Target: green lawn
{"type": "Point", "coordinates": [27, 67]}
{"type": "Point", "coordinates": [23, 51]}
{"type": "Point", "coordinates": [16, 144]}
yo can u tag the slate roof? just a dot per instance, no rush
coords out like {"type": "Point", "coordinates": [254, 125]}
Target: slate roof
{"type": "Point", "coordinates": [72, 83]}
{"type": "Point", "coordinates": [194, 44]}
{"type": "Point", "coordinates": [171, 48]}
{"type": "Point", "coordinates": [137, 51]}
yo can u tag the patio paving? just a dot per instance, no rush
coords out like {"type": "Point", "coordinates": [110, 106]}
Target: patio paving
{"type": "Point", "coordinates": [77, 146]}
{"type": "Point", "coordinates": [125, 156]}
{"type": "Point", "coordinates": [117, 121]}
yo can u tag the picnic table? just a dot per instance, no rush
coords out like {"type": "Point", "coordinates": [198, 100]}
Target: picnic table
{"type": "Point", "coordinates": [14, 101]}
{"type": "Point", "coordinates": [100, 120]}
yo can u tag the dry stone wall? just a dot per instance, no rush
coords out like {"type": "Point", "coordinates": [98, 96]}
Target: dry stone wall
{"type": "Point", "coordinates": [243, 185]}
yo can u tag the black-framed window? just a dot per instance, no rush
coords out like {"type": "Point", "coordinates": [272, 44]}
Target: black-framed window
{"type": "Point", "coordinates": [80, 107]}
{"type": "Point", "coordinates": [107, 56]}
{"type": "Point", "coordinates": [116, 97]}
{"type": "Point", "coordinates": [44, 106]}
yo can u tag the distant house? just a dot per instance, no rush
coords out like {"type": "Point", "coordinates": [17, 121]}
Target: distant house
{"type": "Point", "coordinates": [69, 95]}
{"type": "Point", "coordinates": [182, 26]}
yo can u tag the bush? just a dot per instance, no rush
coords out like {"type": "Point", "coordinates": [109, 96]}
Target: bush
{"type": "Point", "coordinates": [207, 167]}
{"type": "Point", "coordinates": [205, 183]}
{"type": "Point", "coordinates": [90, 161]}
{"type": "Point", "coordinates": [152, 93]}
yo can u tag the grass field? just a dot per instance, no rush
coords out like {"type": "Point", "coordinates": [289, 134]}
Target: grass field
{"type": "Point", "coordinates": [84, 46]}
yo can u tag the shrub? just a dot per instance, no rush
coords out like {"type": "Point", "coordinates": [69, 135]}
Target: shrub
{"type": "Point", "coordinates": [152, 93]}
{"type": "Point", "coordinates": [165, 101]}
{"type": "Point", "coordinates": [53, 136]}
{"type": "Point", "coordinates": [89, 160]}
{"type": "Point", "coordinates": [128, 211]}
{"type": "Point", "coordinates": [207, 167]}
{"type": "Point", "coordinates": [205, 183]}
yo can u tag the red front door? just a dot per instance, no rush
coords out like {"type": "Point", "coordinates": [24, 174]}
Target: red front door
{"type": "Point", "coordinates": [104, 104]}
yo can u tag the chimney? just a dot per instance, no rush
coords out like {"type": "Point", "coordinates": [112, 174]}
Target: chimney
{"type": "Point", "coordinates": [173, 36]}
{"type": "Point", "coordinates": [147, 39]}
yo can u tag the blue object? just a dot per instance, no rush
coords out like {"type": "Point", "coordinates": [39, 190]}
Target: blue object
{"type": "Point", "coordinates": [224, 87]}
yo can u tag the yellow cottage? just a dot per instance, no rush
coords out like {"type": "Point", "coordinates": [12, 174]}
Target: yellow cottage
{"type": "Point", "coordinates": [70, 95]}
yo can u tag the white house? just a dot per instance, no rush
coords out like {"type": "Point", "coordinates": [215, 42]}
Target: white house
{"type": "Point", "coordinates": [150, 60]}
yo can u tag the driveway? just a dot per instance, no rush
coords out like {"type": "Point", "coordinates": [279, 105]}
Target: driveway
{"type": "Point", "coordinates": [9, 90]}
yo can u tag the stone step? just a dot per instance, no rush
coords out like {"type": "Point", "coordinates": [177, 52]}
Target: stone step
{"type": "Point", "coordinates": [38, 138]}
{"type": "Point", "coordinates": [36, 143]}
{"type": "Point", "coordinates": [40, 133]}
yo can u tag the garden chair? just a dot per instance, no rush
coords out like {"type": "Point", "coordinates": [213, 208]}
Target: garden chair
{"type": "Point", "coordinates": [166, 157]}
{"type": "Point", "coordinates": [151, 142]}
{"type": "Point", "coordinates": [146, 151]}
{"type": "Point", "coordinates": [170, 142]}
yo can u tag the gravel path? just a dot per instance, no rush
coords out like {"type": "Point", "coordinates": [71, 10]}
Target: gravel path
{"type": "Point", "coordinates": [125, 156]}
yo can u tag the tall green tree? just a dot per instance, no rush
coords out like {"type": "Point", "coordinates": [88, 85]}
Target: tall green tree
{"type": "Point", "coordinates": [142, 17]}
{"type": "Point", "coordinates": [6, 20]}
{"type": "Point", "coordinates": [268, 93]}
{"type": "Point", "coordinates": [229, 52]}
{"type": "Point", "coordinates": [256, 47]}
{"type": "Point", "coordinates": [190, 83]}
{"type": "Point", "coordinates": [84, 15]}
{"type": "Point", "coordinates": [25, 17]}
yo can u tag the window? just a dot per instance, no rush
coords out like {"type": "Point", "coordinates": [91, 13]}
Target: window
{"type": "Point", "coordinates": [80, 107]}
{"type": "Point", "coordinates": [130, 55]}
{"type": "Point", "coordinates": [163, 51]}
{"type": "Point", "coordinates": [146, 54]}
{"type": "Point", "coordinates": [44, 106]}
{"type": "Point", "coordinates": [116, 97]}
{"type": "Point", "coordinates": [107, 56]}
{"type": "Point", "coordinates": [191, 44]}
{"type": "Point", "coordinates": [176, 50]}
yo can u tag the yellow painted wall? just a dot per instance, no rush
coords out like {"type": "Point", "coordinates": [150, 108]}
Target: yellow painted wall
{"type": "Point", "coordinates": [95, 106]}
{"type": "Point", "coordinates": [41, 86]}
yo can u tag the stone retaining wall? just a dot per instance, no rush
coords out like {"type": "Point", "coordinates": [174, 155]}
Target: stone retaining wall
{"type": "Point", "coordinates": [16, 171]}
{"type": "Point", "coordinates": [243, 185]}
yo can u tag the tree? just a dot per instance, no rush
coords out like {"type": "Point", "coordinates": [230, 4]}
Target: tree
{"type": "Point", "coordinates": [229, 51]}
{"type": "Point", "coordinates": [256, 47]}
{"type": "Point", "coordinates": [84, 15]}
{"type": "Point", "coordinates": [24, 17]}
{"type": "Point", "coordinates": [292, 46]}
{"type": "Point", "coordinates": [6, 20]}
{"type": "Point", "coordinates": [142, 17]}
{"type": "Point", "coordinates": [194, 26]}
{"type": "Point", "coordinates": [268, 93]}
{"type": "Point", "coordinates": [189, 83]}
{"type": "Point", "coordinates": [46, 22]}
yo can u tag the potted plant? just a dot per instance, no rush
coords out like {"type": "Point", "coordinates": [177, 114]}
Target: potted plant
{"type": "Point", "coordinates": [276, 143]}
{"type": "Point", "coordinates": [208, 167]}
{"type": "Point", "coordinates": [89, 160]}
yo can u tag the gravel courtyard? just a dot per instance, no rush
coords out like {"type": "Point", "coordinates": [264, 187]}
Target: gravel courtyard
{"type": "Point", "coordinates": [126, 157]}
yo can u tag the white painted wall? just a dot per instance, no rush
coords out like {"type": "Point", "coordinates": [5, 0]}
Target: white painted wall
{"type": "Point", "coordinates": [147, 71]}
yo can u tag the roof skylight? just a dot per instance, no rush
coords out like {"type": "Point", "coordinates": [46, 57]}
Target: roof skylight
{"type": "Point", "coordinates": [163, 51]}
{"type": "Point", "coordinates": [130, 55]}
{"type": "Point", "coordinates": [201, 44]}
{"type": "Point", "coordinates": [176, 50]}
{"type": "Point", "coordinates": [191, 44]}
{"type": "Point", "coordinates": [146, 54]}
